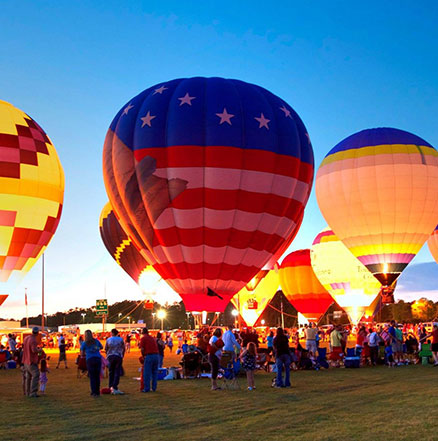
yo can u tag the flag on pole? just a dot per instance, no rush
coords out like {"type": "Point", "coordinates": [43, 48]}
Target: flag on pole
{"type": "Point", "coordinates": [25, 298]}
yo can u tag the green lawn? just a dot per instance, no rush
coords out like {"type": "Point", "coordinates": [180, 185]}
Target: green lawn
{"type": "Point", "coordinates": [339, 404]}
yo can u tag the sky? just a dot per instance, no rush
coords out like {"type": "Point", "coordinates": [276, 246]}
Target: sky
{"type": "Point", "coordinates": [71, 66]}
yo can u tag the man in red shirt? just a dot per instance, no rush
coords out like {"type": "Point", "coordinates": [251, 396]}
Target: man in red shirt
{"type": "Point", "coordinates": [30, 363]}
{"type": "Point", "coordinates": [149, 350]}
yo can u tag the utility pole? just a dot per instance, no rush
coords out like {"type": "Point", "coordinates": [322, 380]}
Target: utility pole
{"type": "Point", "coordinates": [42, 298]}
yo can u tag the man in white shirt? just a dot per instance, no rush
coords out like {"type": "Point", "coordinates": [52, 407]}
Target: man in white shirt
{"type": "Point", "coordinates": [115, 351]}
{"type": "Point", "coordinates": [373, 343]}
{"type": "Point", "coordinates": [310, 334]}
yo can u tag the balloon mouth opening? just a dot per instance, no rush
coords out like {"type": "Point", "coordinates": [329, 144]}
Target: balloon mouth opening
{"type": "Point", "coordinates": [386, 279]}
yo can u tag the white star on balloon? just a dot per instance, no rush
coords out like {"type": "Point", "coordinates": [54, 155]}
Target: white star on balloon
{"type": "Point", "coordinates": [160, 90]}
{"type": "Point", "coordinates": [263, 122]}
{"type": "Point", "coordinates": [286, 112]}
{"type": "Point", "coordinates": [225, 117]}
{"type": "Point", "coordinates": [147, 119]}
{"type": "Point", "coordinates": [127, 109]}
{"type": "Point", "coordinates": [186, 99]}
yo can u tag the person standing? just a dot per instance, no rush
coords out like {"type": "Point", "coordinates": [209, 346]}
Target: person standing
{"type": "Point", "coordinates": [12, 343]}
{"type": "Point", "coordinates": [170, 342]}
{"type": "Point", "coordinates": [270, 342]}
{"type": "Point", "coordinates": [90, 349]}
{"type": "Point", "coordinates": [30, 363]}
{"type": "Point", "coordinates": [149, 350]}
{"type": "Point", "coordinates": [62, 351]}
{"type": "Point", "coordinates": [215, 351]}
{"type": "Point", "coordinates": [373, 343]}
{"type": "Point", "coordinates": [230, 342]}
{"type": "Point", "coordinates": [310, 333]}
{"type": "Point", "coordinates": [161, 346]}
{"type": "Point", "coordinates": [249, 358]}
{"type": "Point", "coordinates": [282, 358]}
{"type": "Point", "coordinates": [336, 346]}
{"type": "Point", "coordinates": [434, 347]}
{"type": "Point", "coordinates": [115, 351]}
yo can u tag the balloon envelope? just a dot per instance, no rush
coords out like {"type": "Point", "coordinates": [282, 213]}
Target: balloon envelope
{"type": "Point", "coordinates": [31, 192]}
{"type": "Point", "coordinates": [350, 284]}
{"type": "Point", "coordinates": [209, 177]}
{"type": "Point", "coordinates": [253, 299]}
{"type": "Point", "coordinates": [301, 286]}
{"type": "Point", "coordinates": [120, 246]}
{"type": "Point", "coordinates": [432, 243]}
{"type": "Point", "coordinates": [377, 190]}
{"type": "Point", "coordinates": [3, 297]}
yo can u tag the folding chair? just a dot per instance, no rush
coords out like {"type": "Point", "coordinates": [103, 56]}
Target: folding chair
{"type": "Point", "coordinates": [230, 369]}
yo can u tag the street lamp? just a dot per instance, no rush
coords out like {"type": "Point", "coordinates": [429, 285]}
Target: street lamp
{"type": "Point", "coordinates": [161, 314]}
{"type": "Point", "coordinates": [153, 320]}
{"type": "Point", "coordinates": [263, 323]}
{"type": "Point", "coordinates": [120, 314]}
{"type": "Point", "coordinates": [235, 313]}
{"type": "Point", "coordinates": [129, 319]}
{"type": "Point", "coordinates": [83, 314]}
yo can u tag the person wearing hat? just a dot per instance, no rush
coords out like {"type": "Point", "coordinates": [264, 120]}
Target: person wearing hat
{"type": "Point", "coordinates": [30, 363]}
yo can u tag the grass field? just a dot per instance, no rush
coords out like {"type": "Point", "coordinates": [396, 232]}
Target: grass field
{"type": "Point", "coordinates": [338, 404]}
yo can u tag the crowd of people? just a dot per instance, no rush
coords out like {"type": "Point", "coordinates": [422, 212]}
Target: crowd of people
{"type": "Point", "coordinates": [279, 351]}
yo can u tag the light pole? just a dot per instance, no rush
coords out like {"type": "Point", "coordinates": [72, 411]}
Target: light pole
{"type": "Point", "coordinates": [83, 314]}
{"type": "Point", "coordinates": [235, 313]}
{"type": "Point", "coordinates": [188, 320]}
{"type": "Point", "coordinates": [153, 320]}
{"type": "Point", "coordinates": [161, 314]}
{"type": "Point", "coordinates": [129, 319]}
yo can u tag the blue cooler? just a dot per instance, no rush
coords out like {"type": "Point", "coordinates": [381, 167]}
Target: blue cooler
{"type": "Point", "coordinates": [11, 364]}
{"type": "Point", "coordinates": [352, 362]}
{"type": "Point", "coordinates": [162, 372]}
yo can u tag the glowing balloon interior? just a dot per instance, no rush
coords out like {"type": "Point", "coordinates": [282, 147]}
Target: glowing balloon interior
{"type": "Point", "coordinates": [301, 286]}
{"type": "Point", "coordinates": [209, 177]}
{"type": "Point", "coordinates": [31, 192]}
{"type": "Point", "coordinates": [377, 190]}
{"type": "Point", "coordinates": [253, 299]}
{"type": "Point", "coordinates": [350, 284]}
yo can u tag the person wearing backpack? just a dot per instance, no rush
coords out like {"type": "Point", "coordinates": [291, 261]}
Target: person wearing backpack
{"type": "Point", "coordinates": [215, 346]}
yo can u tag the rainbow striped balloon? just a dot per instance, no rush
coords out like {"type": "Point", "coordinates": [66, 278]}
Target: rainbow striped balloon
{"type": "Point", "coordinates": [378, 191]}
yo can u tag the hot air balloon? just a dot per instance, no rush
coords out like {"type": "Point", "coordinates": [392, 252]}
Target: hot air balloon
{"type": "Point", "coordinates": [209, 177]}
{"type": "Point", "coordinates": [120, 246]}
{"type": "Point", "coordinates": [301, 286]}
{"type": "Point", "coordinates": [350, 284]}
{"type": "Point", "coordinates": [377, 190]}
{"type": "Point", "coordinates": [124, 252]}
{"type": "Point", "coordinates": [3, 297]}
{"type": "Point", "coordinates": [254, 297]}
{"type": "Point", "coordinates": [31, 192]}
{"type": "Point", "coordinates": [432, 243]}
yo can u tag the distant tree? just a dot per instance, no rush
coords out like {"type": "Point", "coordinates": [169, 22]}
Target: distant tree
{"type": "Point", "coordinates": [423, 310]}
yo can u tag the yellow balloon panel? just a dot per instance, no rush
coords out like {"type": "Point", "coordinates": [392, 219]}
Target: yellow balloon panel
{"type": "Point", "coordinates": [377, 189]}
{"type": "Point", "coordinates": [252, 302]}
{"type": "Point", "coordinates": [348, 281]}
{"type": "Point", "coordinates": [31, 191]}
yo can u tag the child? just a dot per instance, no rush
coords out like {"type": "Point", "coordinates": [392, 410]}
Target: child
{"type": "Point", "coordinates": [388, 354]}
{"type": "Point", "coordinates": [248, 359]}
{"type": "Point", "coordinates": [44, 370]}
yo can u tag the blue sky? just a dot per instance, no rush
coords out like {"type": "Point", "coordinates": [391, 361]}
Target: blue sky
{"type": "Point", "coordinates": [71, 65]}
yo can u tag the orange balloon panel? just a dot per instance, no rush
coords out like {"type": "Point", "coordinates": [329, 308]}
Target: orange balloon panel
{"type": "Point", "coordinates": [378, 191]}
{"type": "Point", "coordinates": [301, 286]}
{"type": "Point", "coordinates": [253, 299]}
{"type": "Point", "coordinates": [31, 191]}
{"type": "Point", "coordinates": [432, 243]}
{"type": "Point", "coordinates": [3, 297]}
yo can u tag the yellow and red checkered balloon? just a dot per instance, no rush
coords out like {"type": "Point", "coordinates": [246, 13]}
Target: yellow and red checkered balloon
{"type": "Point", "coordinates": [31, 191]}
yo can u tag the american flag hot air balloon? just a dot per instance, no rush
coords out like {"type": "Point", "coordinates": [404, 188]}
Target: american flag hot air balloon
{"type": "Point", "coordinates": [209, 177]}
